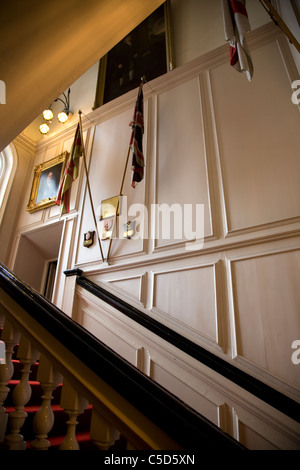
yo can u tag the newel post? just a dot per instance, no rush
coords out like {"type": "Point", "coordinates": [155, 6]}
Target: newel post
{"type": "Point", "coordinates": [69, 290]}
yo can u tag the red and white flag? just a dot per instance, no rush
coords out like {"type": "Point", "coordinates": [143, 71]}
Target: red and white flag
{"type": "Point", "coordinates": [236, 26]}
{"type": "Point", "coordinates": [71, 173]}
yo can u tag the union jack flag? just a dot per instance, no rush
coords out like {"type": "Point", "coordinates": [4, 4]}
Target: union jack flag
{"type": "Point", "coordinates": [136, 140]}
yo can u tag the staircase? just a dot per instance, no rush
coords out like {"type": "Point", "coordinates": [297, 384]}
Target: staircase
{"type": "Point", "coordinates": [58, 433]}
{"type": "Point", "coordinates": [72, 392]}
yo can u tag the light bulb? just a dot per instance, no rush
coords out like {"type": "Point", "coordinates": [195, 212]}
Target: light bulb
{"type": "Point", "coordinates": [44, 128]}
{"type": "Point", "coordinates": [48, 114]}
{"type": "Point", "coordinates": [62, 117]}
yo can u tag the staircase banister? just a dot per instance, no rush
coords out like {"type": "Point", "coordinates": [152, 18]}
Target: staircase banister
{"type": "Point", "coordinates": [186, 427]}
{"type": "Point", "coordinates": [241, 378]}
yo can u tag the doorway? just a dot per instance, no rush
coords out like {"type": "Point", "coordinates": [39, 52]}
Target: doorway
{"type": "Point", "coordinates": [37, 257]}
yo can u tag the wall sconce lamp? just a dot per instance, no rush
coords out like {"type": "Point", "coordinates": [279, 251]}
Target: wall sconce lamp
{"type": "Point", "coordinates": [62, 116]}
{"type": "Point", "coordinates": [129, 230]}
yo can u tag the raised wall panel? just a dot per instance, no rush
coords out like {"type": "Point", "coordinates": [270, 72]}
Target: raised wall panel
{"type": "Point", "coordinates": [258, 139]}
{"type": "Point", "coordinates": [181, 167]}
{"type": "Point", "coordinates": [51, 151]}
{"type": "Point", "coordinates": [250, 438]}
{"type": "Point", "coordinates": [255, 433]}
{"type": "Point", "coordinates": [126, 347]}
{"type": "Point", "coordinates": [189, 296]}
{"type": "Point", "coordinates": [163, 375]}
{"type": "Point", "coordinates": [131, 286]}
{"type": "Point", "coordinates": [107, 164]}
{"type": "Point", "coordinates": [266, 306]}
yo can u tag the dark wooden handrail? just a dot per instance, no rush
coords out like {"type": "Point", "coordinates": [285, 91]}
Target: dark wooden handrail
{"type": "Point", "coordinates": [256, 387]}
{"type": "Point", "coordinates": [185, 426]}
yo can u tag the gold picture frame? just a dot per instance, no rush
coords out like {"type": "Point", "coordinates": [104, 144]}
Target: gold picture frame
{"type": "Point", "coordinates": [151, 56]}
{"type": "Point", "coordinates": [109, 208]}
{"type": "Point", "coordinates": [45, 183]}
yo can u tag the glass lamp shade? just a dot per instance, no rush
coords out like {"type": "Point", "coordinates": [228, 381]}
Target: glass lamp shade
{"type": "Point", "coordinates": [48, 114]}
{"type": "Point", "coordinates": [62, 117]}
{"type": "Point", "coordinates": [44, 128]}
{"type": "Point", "coordinates": [129, 229]}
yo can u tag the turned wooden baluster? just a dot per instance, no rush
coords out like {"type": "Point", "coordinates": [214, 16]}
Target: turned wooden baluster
{"type": "Point", "coordinates": [11, 338]}
{"type": "Point", "coordinates": [102, 432]}
{"type": "Point", "coordinates": [43, 421]}
{"type": "Point", "coordinates": [27, 355]}
{"type": "Point", "coordinates": [74, 405]}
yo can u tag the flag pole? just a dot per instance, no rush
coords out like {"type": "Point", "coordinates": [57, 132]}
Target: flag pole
{"type": "Point", "coordinates": [117, 208]}
{"type": "Point", "coordinates": [121, 188]}
{"type": "Point", "coordinates": [279, 22]}
{"type": "Point", "coordinates": [88, 186]}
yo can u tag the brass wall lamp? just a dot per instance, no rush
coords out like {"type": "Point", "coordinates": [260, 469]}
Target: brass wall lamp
{"type": "Point", "coordinates": [62, 115]}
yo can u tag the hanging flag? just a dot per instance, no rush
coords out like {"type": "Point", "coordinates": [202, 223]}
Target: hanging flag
{"type": "Point", "coordinates": [236, 26]}
{"type": "Point", "coordinates": [136, 141]}
{"type": "Point", "coordinates": [71, 173]}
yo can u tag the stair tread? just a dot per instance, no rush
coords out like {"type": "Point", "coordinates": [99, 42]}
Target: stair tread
{"type": "Point", "coordinates": [16, 381]}
{"type": "Point", "coordinates": [33, 408]}
{"type": "Point", "coordinates": [58, 432]}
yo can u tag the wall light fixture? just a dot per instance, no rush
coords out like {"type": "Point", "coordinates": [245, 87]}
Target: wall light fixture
{"type": "Point", "coordinates": [62, 115]}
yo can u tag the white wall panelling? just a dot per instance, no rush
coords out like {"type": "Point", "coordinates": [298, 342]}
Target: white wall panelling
{"type": "Point", "coordinates": [86, 312]}
{"type": "Point", "coordinates": [214, 138]}
{"type": "Point", "coordinates": [163, 372]}
{"type": "Point", "coordinates": [265, 313]}
{"type": "Point", "coordinates": [108, 158]}
{"type": "Point", "coordinates": [257, 434]}
{"type": "Point", "coordinates": [216, 398]}
{"type": "Point", "coordinates": [189, 298]}
{"type": "Point", "coordinates": [64, 259]}
{"type": "Point", "coordinates": [258, 148]}
{"type": "Point", "coordinates": [131, 286]}
{"type": "Point", "coordinates": [181, 168]}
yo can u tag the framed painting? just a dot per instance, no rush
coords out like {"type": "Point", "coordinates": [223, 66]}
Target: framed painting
{"type": "Point", "coordinates": [145, 52]}
{"type": "Point", "coordinates": [108, 226]}
{"type": "Point", "coordinates": [110, 209]}
{"type": "Point", "coordinates": [45, 184]}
